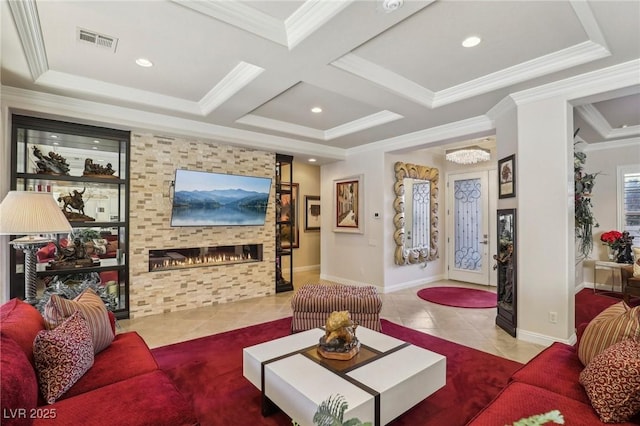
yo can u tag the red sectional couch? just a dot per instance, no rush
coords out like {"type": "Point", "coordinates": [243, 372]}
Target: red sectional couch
{"type": "Point", "coordinates": [547, 382]}
{"type": "Point", "coordinates": [550, 381]}
{"type": "Point", "coordinates": [123, 387]}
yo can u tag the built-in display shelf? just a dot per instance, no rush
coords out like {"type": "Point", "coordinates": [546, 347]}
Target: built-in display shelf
{"type": "Point", "coordinates": [195, 257]}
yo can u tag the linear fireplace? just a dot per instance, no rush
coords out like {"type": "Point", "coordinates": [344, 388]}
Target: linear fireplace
{"type": "Point", "coordinates": [162, 260]}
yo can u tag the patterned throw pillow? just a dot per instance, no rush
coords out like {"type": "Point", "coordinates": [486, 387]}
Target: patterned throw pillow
{"type": "Point", "coordinates": [636, 262]}
{"type": "Point", "coordinates": [62, 356]}
{"type": "Point", "coordinates": [92, 307]}
{"type": "Point", "coordinates": [612, 381]}
{"type": "Point", "coordinates": [616, 323]}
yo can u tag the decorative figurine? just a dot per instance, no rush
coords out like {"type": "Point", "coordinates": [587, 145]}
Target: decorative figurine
{"type": "Point", "coordinates": [54, 164]}
{"type": "Point", "coordinates": [72, 256]}
{"type": "Point", "coordinates": [74, 200]}
{"type": "Point", "coordinates": [97, 170]}
{"type": "Point", "coordinates": [625, 255]}
{"type": "Point", "coordinates": [339, 341]}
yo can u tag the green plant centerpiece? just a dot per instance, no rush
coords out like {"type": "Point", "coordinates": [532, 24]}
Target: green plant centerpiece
{"type": "Point", "coordinates": [585, 221]}
{"type": "Point", "coordinates": [331, 413]}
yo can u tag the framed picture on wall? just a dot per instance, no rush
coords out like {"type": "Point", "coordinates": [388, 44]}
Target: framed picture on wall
{"type": "Point", "coordinates": [507, 177]}
{"type": "Point", "coordinates": [312, 213]}
{"type": "Point", "coordinates": [289, 213]}
{"type": "Point", "coordinates": [348, 198]}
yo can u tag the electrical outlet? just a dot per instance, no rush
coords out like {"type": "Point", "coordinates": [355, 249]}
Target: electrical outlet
{"type": "Point", "coordinates": [553, 317]}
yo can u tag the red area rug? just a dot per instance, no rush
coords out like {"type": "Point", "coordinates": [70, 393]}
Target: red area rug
{"type": "Point", "coordinates": [208, 372]}
{"type": "Point", "coordinates": [459, 297]}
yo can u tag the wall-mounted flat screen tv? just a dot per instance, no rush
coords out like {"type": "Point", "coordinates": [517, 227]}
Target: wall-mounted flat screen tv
{"type": "Point", "coordinates": [218, 199]}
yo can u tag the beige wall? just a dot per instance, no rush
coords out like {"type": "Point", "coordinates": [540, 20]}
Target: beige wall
{"type": "Point", "coordinates": [153, 164]}
{"type": "Point", "coordinates": [307, 256]}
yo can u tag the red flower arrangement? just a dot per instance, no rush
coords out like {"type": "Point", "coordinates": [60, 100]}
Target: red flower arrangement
{"type": "Point", "coordinates": [612, 238]}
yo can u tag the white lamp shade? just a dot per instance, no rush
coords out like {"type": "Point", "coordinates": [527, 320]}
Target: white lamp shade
{"type": "Point", "coordinates": [29, 213]}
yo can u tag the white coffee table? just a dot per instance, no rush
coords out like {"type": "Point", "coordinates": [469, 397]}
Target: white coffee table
{"type": "Point", "coordinates": [385, 379]}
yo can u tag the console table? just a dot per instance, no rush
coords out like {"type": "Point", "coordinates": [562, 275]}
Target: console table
{"type": "Point", "coordinates": [614, 268]}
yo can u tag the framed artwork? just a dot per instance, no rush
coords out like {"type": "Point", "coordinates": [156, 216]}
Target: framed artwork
{"type": "Point", "coordinates": [507, 177]}
{"type": "Point", "coordinates": [349, 205]}
{"type": "Point", "coordinates": [311, 213]}
{"type": "Point", "coordinates": [289, 214]}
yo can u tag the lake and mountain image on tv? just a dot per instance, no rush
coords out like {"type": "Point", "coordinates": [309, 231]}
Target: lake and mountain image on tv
{"type": "Point", "coordinates": [217, 199]}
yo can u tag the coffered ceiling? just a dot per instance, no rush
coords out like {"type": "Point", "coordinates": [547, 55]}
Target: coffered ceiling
{"type": "Point", "coordinates": [250, 71]}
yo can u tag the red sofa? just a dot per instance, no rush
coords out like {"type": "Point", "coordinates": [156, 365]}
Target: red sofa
{"type": "Point", "coordinates": [550, 381]}
{"type": "Point", "coordinates": [123, 387]}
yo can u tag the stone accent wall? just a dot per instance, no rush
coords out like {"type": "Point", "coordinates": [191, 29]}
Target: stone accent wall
{"type": "Point", "coordinates": [154, 160]}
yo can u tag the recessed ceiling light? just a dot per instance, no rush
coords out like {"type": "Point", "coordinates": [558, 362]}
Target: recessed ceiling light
{"type": "Point", "coordinates": [96, 141]}
{"type": "Point", "coordinates": [312, 160]}
{"type": "Point", "coordinates": [316, 110]}
{"type": "Point", "coordinates": [56, 143]}
{"type": "Point", "coordinates": [471, 41]}
{"type": "Point", "coordinates": [391, 5]}
{"type": "Point", "coordinates": [54, 136]}
{"type": "Point", "coordinates": [95, 147]}
{"type": "Point", "coordinates": [143, 62]}
{"type": "Point", "coordinates": [624, 126]}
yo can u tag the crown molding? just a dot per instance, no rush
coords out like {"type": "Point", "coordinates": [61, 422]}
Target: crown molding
{"type": "Point", "coordinates": [588, 21]}
{"type": "Point", "coordinates": [25, 16]}
{"type": "Point", "coordinates": [557, 61]}
{"type": "Point", "coordinates": [298, 26]}
{"type": "Point", "coordinates": [385, 78]}
{"type": "Point", "coordinates": [623, 143]}
{"type": "Point", "coordinates": [600, 124]}
{"type": "Point", "coordinates": [590, 50]}
{"type": "Point", "coordinates": [592, 116]}
{"type": "Point", "coordinates": [309, 17]}
{"type": "Point", "coordinates": [281, 126]}
{"type": "Point", "coordinates": [363, 123]}
{"type": "Point", "coordinates": [421, 138]}
{"type": "Point", "coordinates": [239, 77]}
{"type": "Point", "coordinates": [241, 16]}
{"type": "Point", "coordinates": [74, 83]}
{"type": "Point", "coordinates": [505, 105]}
{"type": "Point", "coordinates": [602, 80]}
{"type": "Point", "coordinates": [96, 113]}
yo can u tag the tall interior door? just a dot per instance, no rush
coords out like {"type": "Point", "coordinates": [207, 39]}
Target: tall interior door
{"type": "Point", "coordinates": [468, 237]}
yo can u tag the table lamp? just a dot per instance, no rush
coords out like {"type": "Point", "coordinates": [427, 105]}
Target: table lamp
{"type": "Point", "coordinates": [31, 214]}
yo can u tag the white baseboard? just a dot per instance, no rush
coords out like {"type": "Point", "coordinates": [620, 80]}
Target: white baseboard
{"type": "Point", "coordinates": [414, 283]}
{"type": "Point", "coordinates": [542, 339]}
{"type": "Point", "coordinates": [306, 268]}
{"type": "Point", "coordinates": [346, 281]}
{"type": "Point", "coordinates": [387, 289]}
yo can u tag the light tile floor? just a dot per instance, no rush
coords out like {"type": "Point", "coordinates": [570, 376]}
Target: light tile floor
{"type": "Point", "coordinates": [470, 327]}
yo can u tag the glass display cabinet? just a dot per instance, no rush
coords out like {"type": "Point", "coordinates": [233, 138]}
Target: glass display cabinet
{"type": "Point", "coordinates": [85, 168]}
{"type": "Point", "coordinates": [285, 223]}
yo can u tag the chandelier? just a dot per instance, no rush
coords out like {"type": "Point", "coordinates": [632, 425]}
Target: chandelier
{"type": "Point", "coordinates": [468, 155]}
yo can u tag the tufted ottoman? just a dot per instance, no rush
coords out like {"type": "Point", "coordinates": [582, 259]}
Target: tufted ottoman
{"type": "Point", "coordinates": [313, 303]}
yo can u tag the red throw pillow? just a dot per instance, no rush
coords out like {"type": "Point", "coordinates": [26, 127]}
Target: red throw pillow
{"type": "Point", "coordinates": [62, 356]}
{"type": "Point", "coordinates": [612, 381]}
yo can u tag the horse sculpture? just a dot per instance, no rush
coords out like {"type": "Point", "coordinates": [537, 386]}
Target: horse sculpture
{"type": "Point", "coordinates": [73, 200]}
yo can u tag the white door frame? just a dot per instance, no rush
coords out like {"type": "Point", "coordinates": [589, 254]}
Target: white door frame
{"type": "Point", "coordinates": [489, 277]}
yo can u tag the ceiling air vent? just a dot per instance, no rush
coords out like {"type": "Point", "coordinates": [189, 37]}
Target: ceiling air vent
{"type": "Point", "coordinates": [96, 39]}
